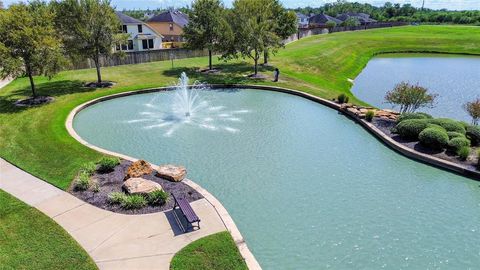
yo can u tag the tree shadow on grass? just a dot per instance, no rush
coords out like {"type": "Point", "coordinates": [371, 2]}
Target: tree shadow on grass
{"type": "Point", "coordinates": [50, 88]}
{"type": "Point", "coordinates": [229, 73]}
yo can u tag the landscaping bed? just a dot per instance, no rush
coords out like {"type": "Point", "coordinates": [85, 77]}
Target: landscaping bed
{"type": "Point", "coordinates": [386, 127]}
{"type": "Point", "coordinates": [111, 182]}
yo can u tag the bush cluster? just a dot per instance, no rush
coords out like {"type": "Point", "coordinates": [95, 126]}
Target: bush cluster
{"type": "Point", "coordinates": [434, 137]}
{"type": "Point", "coordinates": [107, 164]}
{"type": "Point", "coordinates": [411, 128]}
{"type": "Point", "coordinates": [419, 115]}
{"type": "Point", "coordinates": [449, 125]}
{"type": "Point", "coordinates": [452, 134]}
{"type": "Point", "coordinates": [137, 201]}
{"type": "Point", "coordinates": [473, 133]}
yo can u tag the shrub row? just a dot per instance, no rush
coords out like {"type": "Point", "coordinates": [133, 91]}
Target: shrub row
{"type": "Point", "coordinates": [137, 201]}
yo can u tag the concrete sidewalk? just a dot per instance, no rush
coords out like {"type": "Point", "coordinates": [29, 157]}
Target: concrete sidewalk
{"type": "Point", "coordinates": [114, 241]}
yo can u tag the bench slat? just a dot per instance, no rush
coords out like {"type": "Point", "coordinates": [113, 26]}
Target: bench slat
{"type": "Point", "coordinates": [187, 210]}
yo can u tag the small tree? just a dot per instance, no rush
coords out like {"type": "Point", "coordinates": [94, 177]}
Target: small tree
{"type": "Point", "coordinates": [29, 42]}
{"type": "Point", "coordinates": [207, 27]}
{"type": "Point", "coordinates": [350, 22]}
{"type": "Point", "coordinates": [330, 24]}
{"type": "Point", "coordinates": [410, 97]}
{"type": "Point", "coordinates": [90, 28]}
{"type": "Point", "coordinates": [473, 109]}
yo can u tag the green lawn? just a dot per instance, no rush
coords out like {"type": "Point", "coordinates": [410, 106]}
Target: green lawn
{"type": "Point", "coordinates": [214, 252]}
{"type": "Point", "coordinates": [31, 240]}
{"type": "Point", "coordinates": [35, 139]}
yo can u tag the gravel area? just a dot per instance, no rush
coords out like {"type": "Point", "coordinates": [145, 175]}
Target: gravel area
{"type": "Point", "coordinates": [386, 125]}
{"type": "Point", "coordinates": [112, 182]}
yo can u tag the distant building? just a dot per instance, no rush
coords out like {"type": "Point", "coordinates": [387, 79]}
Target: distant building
{"type": "Point", "coordinates": [321, 20]}
{"type": "Point", "coordinates": [302, 20]}
{"type": "Point", "coordinates": [169, 24]}
{"type": "Point", "coordinates": [363, 18]}
{"type": "Point", "coordinates": [141, 37]}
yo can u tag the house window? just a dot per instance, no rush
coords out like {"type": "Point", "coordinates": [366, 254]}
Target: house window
{"type": "Point", "coordinates": [140, 28]}
{"type": "Point", "coordinates": [124, 47]}
{"type": "Point", "coordinates": [171, 27]}
{"type": "Point", "coordinates": [130, 45]}
{"type": "Point", "coordinates": [147, 44]}
{"type": "Point", "coordinates": [118, 47]}
{"type": "Point", "coordinates": [124, 28]}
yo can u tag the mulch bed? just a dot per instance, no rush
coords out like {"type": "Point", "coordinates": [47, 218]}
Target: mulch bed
{"type": "Point", "coordinates": [37, 101]}
{"type": "Point", "coordinates": [105, 84]}
{"type": "Point", "coordinates": [386, 125]}
{"type": "Point", "coordinates": [112, 182]}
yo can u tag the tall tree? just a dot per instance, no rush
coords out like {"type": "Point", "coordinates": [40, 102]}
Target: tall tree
{"type": "Point", "coordinates": [90, 28]}
{"type": "Point", "coordinates": [252, 26]}
{"type": "Point", "coordinates": [284, 24]}
{"type": "Point", "coordinates": [29, 42]}
{"type": "Point", "coordinates": [207, 27]}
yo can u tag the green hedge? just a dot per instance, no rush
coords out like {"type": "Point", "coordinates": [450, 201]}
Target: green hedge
{"type": "Point", "coordinates": [473, 133]}
{"type": "Point", "coordinates": [449, 125]}
{"type": "Point", "coordinates": [411, 128]}
{"type": "Point", "coordinates": [407, 116]}
{"type": "Point", "coordinates": [456, 143]}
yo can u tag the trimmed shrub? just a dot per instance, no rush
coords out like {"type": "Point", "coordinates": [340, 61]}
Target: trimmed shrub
{"type": "Point", "coordinates": [456, 143]}
{"type": "Point", "coordinates": [410, 129]}
{"type": "Point", "coordinates": [135, 201]}
{"type": "Point", "coordinates": [116, 197]}
{"type": "Point", "coordinates": [107, 164]}
{"type": "Point", "coordinates": [420, 115]}
{"type": "Point", "coordinates": [88, 168]}
{"type": "Point", "coordinates": [369, 115]}
{"type": "Point", "coordinates": [157, 197]}
{"type": "Point", "coordinates": [342, 98]}
{"type": "Point", "coordinates": [452, 135]}
{"type": "Point", "coordinates": [433, 137]}
{"type": "Point", "coordinates": [449, 125]}
{"type": "Point", "coordinates": [473, 133]}
{"type": "Point", "coordinates": [463, 152]}
{"type": "Point", "coordinates": [82, 182]}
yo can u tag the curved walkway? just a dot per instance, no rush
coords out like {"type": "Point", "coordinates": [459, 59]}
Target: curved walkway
{"type": "Point", "coordinates": [114, 241]}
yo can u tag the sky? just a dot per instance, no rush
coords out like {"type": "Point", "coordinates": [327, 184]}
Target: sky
{"type": "Point", "coordinates": [432, 4]}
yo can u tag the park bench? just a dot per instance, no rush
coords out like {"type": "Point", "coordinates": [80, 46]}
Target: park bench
{"type": "Point", "coordinates": [187, 213]}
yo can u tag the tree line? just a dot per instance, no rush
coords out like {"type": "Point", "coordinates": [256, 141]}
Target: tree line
{"type": "Point", "coordinates": [40, 38]}
{"type": "Point", "coordinates": [397, 12]}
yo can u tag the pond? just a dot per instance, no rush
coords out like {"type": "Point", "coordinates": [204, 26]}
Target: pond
{"type": "Point", "coordinates": [456, 80]}
{"type": "Point", "coordinates": [307, 187]}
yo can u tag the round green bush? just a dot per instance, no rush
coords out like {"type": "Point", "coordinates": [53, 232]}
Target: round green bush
{"type": "Point", "coordinates": [453, 134]}
{"type": "Point", "coordinates": [449, 125]}
{"type": "Point", "coordinates": [419, 115]}
{"type": "Point", "coordinates": [107, 164]}
{"type": "Point", "coordinates": [463, 152]}
{"type": "Point", "coordinates": [411, 128]}
{"type": "Point", "coordinates": [369, 115]}
{"type": "Point", "coordinates": [473, 133]}
{"type": "Point", "coordinates": [456, 143]}
{"type": "Point", "coordinates": [433, 137]}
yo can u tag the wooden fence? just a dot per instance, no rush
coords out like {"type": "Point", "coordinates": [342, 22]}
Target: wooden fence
{"type": "Point", "coordinates": [140, 57]}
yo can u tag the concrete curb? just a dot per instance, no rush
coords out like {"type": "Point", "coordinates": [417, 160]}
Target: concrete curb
{"type": "Point", "coordinates": [227, 220]}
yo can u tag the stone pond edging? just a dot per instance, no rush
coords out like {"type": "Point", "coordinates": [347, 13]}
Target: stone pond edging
{"type": "Point", "coordinates": [220, 209]}
{"type": "Point", "coordinates": [227, 220]}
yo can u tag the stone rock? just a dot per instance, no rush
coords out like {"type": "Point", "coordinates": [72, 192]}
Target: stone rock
{"type": "Point", "coordinates": [138, 168]}
{"type": "Point", "coordinates": [140, 186]}
{"type": "Point", "coordinates": [172, 173]}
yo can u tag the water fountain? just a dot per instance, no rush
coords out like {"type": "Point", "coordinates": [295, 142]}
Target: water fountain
{"type": "Point", "coordinates": [188, 108]}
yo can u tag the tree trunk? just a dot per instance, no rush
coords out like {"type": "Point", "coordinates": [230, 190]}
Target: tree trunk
{"type": "Point", "coordinates": [256, 63]}
{"type": "Point", "coordinates": [210, 59]}
{"type": "Point", "coordinates": [32, 83]}
{"type": "Point", "coordinates": [265, 57]}
{"type": "Point", "coordinates": [99, 74]}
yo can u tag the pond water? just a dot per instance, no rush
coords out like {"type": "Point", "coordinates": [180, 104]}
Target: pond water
{"type": "Point", "coordinates": [307, 187]}
{"type": "Point", "coordinates": [456, 80]}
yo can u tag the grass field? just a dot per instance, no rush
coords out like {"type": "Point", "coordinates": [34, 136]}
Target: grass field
{"type": "Point", "coordinates": [31, 240]}
{"type": "Point", "coordinates": [35, 139]}
{"type": "Point", "coordinates": [214, 252]}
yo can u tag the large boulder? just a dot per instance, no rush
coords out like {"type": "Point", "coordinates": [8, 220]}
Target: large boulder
{"type": "Point", "coordinates": [172, 172]}
{"type": "Point", "coordinates": [138, 169]}
{"type": "Point", "coordinates": [140, 186]}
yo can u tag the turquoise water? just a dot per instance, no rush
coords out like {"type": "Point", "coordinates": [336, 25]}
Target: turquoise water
{"type": "Point", "coordinates": [307, 187]}
{"type": "Point", "coordinates": [456, 80]}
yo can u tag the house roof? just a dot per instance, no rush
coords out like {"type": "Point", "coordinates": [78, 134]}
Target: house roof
{"type": "Point", "coordinates": [361, 17]}
{"type": "Point", "coordinates": [175, 16]}
{"type": "Point", "coordinates": [301, 16]}
{"type": "Point", "coordinates": [323, 18]}
{"type": "Point", "coordinates": [127, 19]}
